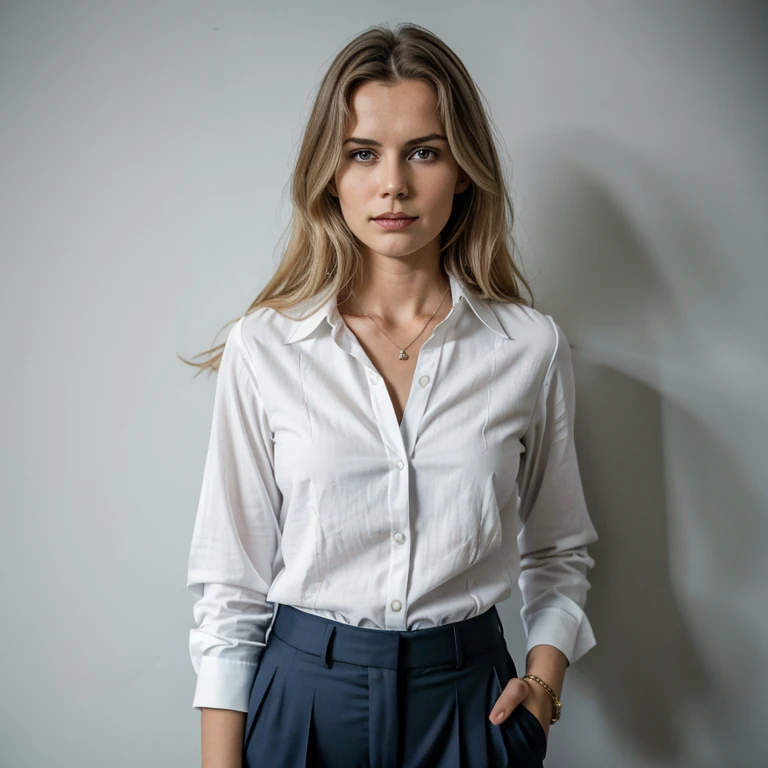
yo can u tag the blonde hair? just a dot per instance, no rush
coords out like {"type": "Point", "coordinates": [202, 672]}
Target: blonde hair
{"type": "Point", "coordinates": [322, 255]}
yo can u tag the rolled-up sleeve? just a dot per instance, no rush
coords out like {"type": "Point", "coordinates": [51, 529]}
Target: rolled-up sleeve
{"type": "Point", "coordinates": [555, 524]}
{"type": "Point", "coordinates": [235, 538]}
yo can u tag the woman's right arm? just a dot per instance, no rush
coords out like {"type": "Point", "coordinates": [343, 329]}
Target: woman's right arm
{"type": "Point", "coordinates": [222, 732]}
{"type": "Point", "coordinates": [232, 557]}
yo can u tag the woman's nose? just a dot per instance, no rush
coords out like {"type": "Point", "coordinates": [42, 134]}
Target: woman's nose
{"type": "Point", "coordinates": [394, 179]}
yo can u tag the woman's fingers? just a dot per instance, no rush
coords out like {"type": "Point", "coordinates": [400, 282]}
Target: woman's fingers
{"type": "Point", "coordinates": [515, 691]}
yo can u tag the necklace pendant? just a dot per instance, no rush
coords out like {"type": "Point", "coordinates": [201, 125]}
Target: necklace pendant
{"type": "Point", "coordinates": [403, 355]}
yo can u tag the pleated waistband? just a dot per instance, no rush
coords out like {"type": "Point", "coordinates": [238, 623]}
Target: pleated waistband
{"type": "Point", "coordinates": [386, 648]}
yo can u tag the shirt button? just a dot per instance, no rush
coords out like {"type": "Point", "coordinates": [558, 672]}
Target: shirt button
{"type": "Point", "coordinates": [424, 380]}
{"type": "Point", "coordinates": [399, 464]}
{"type": "Point", "coordinates": [374, 378]}
{"type": "Point", "coordinates": [399, 538]}
{"type": "Point", "coordinates": [396, 605]}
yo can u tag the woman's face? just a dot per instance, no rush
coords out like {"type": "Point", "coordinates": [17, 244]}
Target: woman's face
{"type": "Point", "coordinates": [387, 172]}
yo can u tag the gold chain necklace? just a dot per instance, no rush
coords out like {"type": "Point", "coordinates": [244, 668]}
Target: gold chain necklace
{"type": "Point", "coordinates": [403, 354]}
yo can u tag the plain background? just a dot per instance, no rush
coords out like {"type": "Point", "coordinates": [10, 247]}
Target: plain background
{"type": "Point", "coordinates": [145, 155]}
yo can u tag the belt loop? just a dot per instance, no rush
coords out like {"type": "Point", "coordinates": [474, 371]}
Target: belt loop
{"type": "Point", "coordinates": [457, 643]}
{"type": "Point", "coordinates": [498, 619]}
{"type": "Point", "coordinates": [325, 655]}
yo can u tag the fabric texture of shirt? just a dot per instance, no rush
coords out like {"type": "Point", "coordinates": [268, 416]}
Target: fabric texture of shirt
{"type": "Point", "coordinates": [314, 496]}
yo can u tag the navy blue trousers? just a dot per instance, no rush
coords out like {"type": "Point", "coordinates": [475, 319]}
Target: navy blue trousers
{"type": "Point", "coordinates": [332, 695]}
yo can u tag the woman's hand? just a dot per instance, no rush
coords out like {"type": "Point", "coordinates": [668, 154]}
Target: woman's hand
{"type": "Point", "coordinates": [531, 695]}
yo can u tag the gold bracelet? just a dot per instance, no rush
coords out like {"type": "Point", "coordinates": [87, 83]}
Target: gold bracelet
{"type": "Point", "coordinates": [556, 703]}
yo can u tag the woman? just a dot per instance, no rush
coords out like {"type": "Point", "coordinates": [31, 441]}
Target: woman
{"type": "Point", "coordinates": [391, 450]}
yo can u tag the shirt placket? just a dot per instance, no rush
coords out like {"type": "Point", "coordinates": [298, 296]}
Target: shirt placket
{"type": "Point", "coordinates": [400, 440]}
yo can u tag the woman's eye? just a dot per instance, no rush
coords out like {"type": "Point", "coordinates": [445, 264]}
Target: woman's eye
{"type": "Point", "coordinates": [357, 154]}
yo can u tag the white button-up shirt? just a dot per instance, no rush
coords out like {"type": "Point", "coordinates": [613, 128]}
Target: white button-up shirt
{"type": "Point", "coordinates": [314, 496]}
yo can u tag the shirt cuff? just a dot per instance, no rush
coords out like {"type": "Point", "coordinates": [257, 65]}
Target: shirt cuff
{"type": "Point", "coordinates": [553, 626]}
{"type": "Point", "coordinates": [224, 683]}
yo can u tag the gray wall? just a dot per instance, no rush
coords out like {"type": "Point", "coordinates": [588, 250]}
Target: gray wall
{"type": "Point", "coordinates": [145, 150]}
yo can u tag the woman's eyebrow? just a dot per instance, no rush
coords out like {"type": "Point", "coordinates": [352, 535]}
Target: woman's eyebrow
{"type": "Point", "coordinates": [419, 140]}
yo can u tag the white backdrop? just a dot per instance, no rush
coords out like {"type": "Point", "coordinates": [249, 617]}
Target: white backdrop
{"type": "Point", "coordinates": [145, 153]}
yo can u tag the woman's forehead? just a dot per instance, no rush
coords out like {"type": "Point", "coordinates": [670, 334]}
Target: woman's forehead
{"type": "Point", "coordinates": [382, 115]}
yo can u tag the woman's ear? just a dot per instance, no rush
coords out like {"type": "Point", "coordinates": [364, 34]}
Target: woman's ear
{"type": "Point", "coordinates": [332, 188]}
{"type": "Point", "coordinates": [462, 183]}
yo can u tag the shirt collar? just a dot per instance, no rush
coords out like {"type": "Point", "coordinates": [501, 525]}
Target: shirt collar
{"type": "Point", "coordinates": [328, 310]}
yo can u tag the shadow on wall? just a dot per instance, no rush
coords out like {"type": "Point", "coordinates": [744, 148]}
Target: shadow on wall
{"type": "Point", "coordinates": [669, 428]}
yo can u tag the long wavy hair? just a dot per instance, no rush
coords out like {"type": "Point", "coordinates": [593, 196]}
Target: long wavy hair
{"type": "Point", "coordinates": [322, 255]}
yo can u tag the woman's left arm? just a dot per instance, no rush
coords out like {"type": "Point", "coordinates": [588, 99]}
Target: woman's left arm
{"type": "Point", "coordinates": [556, 531]}
{"type": "Point", "coordinates": [548, 663]}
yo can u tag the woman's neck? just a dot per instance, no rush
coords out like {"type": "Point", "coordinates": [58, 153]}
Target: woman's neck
{"type": "Point", "coordinates": [397, 299]}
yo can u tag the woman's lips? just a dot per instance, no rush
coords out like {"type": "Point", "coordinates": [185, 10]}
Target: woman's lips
{"type": "Point", "coordinates": [401, 223]}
